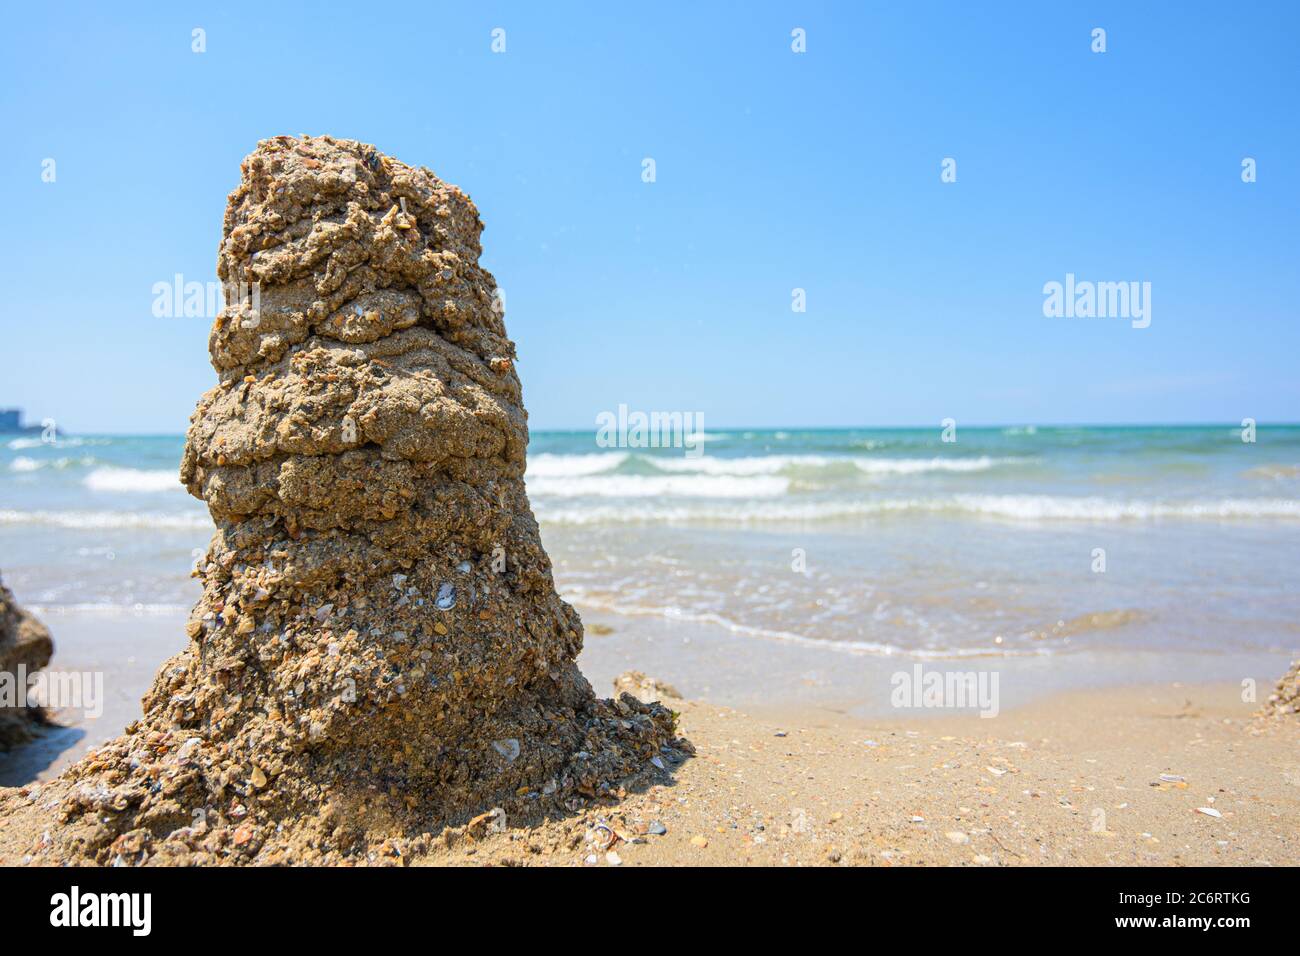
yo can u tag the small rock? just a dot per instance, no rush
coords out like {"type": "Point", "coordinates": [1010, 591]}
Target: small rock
{"type": "Point", "coordinates": [643, 688]}
{"type": "Point", "coordinates": [699, 841]}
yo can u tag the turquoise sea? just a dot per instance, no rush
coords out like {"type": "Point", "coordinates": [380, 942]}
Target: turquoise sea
{"type": "Point", "coordinates": [1020, 541]}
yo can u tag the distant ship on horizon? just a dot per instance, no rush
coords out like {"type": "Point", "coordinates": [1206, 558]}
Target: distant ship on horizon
{"type": "Point", "coordinates": [11, 422]}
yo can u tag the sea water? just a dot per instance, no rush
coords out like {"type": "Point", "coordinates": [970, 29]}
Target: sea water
{"type": "Point", "coordinates": [1009, 542]}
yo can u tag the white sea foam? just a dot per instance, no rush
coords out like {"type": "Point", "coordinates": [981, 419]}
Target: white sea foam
{"type": "Point", "coordinates": [548, 465]}
{"type": "Point", "coordinates": [1029, 509]}
{"type": "Point", "coordinates": [1048, 507]}
{"type": "Point", "coordinates": [913, 466]}
{"type": "Point", "coordinates": [18, 444]}
{"type": "Point", "coordinates": [132, 479]}
{"type": "Point", "coordinates": [856, 647]}
{"type": "Point", "coordinates": [24, 464]}
{"type": "Point", "coordinates": [135, 608]}
{"type": "Point", "coordinates": [658, 486]}
{"type": "Point", "coordinates": [106, 520]}
{"type": "Point", "coordinates": [777, 464]}
{"type": "Point", "coordinates": [755, 465]}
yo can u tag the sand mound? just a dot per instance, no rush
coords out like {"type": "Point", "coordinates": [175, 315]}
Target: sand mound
{"type": "Point", "coordinates": [25, 647]}
{"type": "Point", "coordinates": [379, 651]}
{"type": "Point", "coordinates": [1286, 699]}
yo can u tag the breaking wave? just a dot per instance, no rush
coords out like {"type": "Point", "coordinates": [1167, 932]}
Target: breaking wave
{"type": "Point", "coordinates": [855, 647]}
{"type": "Point", "coordinates": [23, 464]}
{"type": "Point", "coordinates": [132, 480]}
{"type": "Point", "coordinates": [1016, 508]}
{"type": "Point", "coordinates": [105, 520]}
{"type": "Point", "coordinates": [659, 486]}
{"type": "Point", "coordinates": [548, 465]}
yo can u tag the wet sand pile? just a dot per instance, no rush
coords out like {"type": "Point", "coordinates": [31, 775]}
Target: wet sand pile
{"type": "Point", "coordinates": [379, 650]}
{"type": "Point", "coordinates": [25, 647]}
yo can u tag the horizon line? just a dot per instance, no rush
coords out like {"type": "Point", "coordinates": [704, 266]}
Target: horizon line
{"type": "Point", "coordinates": [798, 428]}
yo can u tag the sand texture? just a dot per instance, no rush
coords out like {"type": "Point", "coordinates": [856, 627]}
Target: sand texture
{"type": "Point", "coordinates": [1161, 776]}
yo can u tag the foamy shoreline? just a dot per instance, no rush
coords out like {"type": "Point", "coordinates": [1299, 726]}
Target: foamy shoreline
{"type": "Point", "coordinates": [704, 662]}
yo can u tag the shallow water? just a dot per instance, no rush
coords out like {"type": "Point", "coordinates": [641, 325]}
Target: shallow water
{"type": "Point", "coordinates": [876, 542]}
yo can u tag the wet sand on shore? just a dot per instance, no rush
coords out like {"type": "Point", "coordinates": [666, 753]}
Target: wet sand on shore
{"type": "Point", "coordinates": [800, 760]}
{"type": "Point", "coordinates": [1095, 778]}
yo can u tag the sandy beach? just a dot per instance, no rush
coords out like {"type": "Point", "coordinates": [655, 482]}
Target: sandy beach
{"type": "Point", "coordinates": [1095, 778]}
{"type": "Point", "coordinates": [806, 769]}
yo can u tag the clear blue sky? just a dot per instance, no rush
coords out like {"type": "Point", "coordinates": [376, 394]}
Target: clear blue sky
{"type": "Point", "coordinates": [775, 171]}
